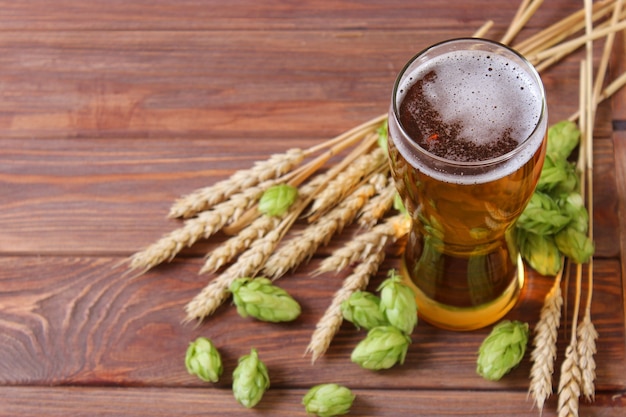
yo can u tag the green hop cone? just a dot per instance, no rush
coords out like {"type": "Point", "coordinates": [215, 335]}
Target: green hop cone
{"type": "Point", "coordinates": [203, 360]}
{"type": "Point", "coordinates": [542, 215]}
{"type": "Point", "coordinates": [502, 350]}
{"type": "Point", "coordinates": [250, 380]}
{"type": "Point", "coordinates": [327, 400]}
{"type": "Point", "coordinates": [575, 244]}
{"type": "Point", "coordinates": [563, 137]}
{"type": "Point", "coordinates": [541, 252]}
{"type": "Point", "coordinates": [397, 303]}
{"type": "Point", "coordinates": [382, 348]}
{"type": "Point", "coordinates": [259, 298]}
{"type": "Point", "coordinates": [276, 200]}
{"type": "Point", "coordinates": [363, 310]}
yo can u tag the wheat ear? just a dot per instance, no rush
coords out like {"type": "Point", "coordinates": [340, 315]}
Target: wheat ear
{"type": "Point", "coordinates": [303, 246]}
{"type": "Point", "coordinates": [346, 180]}
{"type": "Point", "coordinates": [544, 351]}
{"type": "Point", "coordinates": [587, 336]}
{"type": "Point", "coordinates": [377, 207]}
{"type": "Point", "coordinates": [206, 224]}
{"type": "Point", "coordinates": [330, 322]}
{"type": "Point", "coordinates": [238, 243]}
{"type": "Point", "coordinates": [363, 245]}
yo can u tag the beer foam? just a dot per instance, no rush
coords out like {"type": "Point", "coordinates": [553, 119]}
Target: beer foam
{"type": "Point", "coordinates": [486, 95]}
{"type": "Point", "coordinates": [483, 92]}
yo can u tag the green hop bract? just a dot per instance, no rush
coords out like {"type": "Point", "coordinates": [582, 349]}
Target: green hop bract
{"type": "Point", "coordinates": [397, 303]}
{"type": "Point", "coordinates": [363, 310]}
{"type": "Point", "coordinates": [203, 360]}
{"type": "Point", "coordinates": [382, 348]}
{"type": "Point", "coordinates": [327, 400]}
{"type": "Point", "coordinates": [259, 298]}
{"type": "Point", "coordinates": [563, 137]}
{"type": "Point", "coordinates": [276, 200]}
{"type": "Point", "coordinates": [250, 380]}
{"type": "Point", "coordinates": [502, 350]}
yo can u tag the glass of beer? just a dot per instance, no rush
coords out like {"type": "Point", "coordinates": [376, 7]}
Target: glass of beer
{"type": "Point", "coordinates": [467, 138]}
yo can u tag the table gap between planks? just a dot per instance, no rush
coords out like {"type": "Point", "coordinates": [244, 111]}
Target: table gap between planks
{"type": "Point", "coordinates": [110, 110]}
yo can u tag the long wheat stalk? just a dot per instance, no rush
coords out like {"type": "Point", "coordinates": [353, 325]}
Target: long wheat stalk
{"type": "Point", "coordinates": [330, 322]}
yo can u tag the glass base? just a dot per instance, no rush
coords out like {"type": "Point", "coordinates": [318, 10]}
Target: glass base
{"type": "Point", "coordinates": [467, 318]}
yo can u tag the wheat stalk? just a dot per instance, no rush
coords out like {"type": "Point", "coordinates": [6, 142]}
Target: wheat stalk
{"type": "Point", "coordinates": [205, 198]}
{"type": "Point", "coordinates": [330, 322]}
{"type": "Point", "coordinates": [544, 351]}
{"type": "Point", "coordinates": [238, 243]}
{"type": "Point", "coordinates": [302, 247]}
{"type": "Point", "coordinates": [365, 244]}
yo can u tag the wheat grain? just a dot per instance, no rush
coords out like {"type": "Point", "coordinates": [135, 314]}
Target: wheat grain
{"type": "Point", "coordinates": [569, 383]}
{"type": "Point", "coordinates": [346, 180]}
{"type": "Point", "coordinates": [377, 207]}
{"type": "Point", "coordinates": [587, 336]}
{"type": "Point", "coordinates": [302, 247]}
{"type": "Point", "coordinates": [237, 244]}
{"type": "Point", "coordinates": [206, 224]}
{"type": "Point", "coordinates": [330, 322]}
{"type": "Point", "coordinates": [205, 198]}
{"type": "Point", "coordinates": [363, 245]}
{"type": "Point", "coordinates": [544, 351]}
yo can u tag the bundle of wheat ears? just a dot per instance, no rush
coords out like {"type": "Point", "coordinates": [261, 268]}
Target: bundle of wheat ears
{"type": "Point", "coordinates": [358, 189]}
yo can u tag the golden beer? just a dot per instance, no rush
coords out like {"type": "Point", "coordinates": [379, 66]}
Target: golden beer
{"type": "Point", "coordinates": [467, 129]}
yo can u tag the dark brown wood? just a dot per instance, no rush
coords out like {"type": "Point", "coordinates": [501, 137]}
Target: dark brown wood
{"type": "Point", "coordinates": [111, 110]}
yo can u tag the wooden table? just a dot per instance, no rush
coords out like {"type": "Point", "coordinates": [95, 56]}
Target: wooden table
{"type": "Point", "coordinates": [110, 110]}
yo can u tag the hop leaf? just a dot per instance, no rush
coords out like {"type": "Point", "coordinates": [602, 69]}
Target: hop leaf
{"type": "Point", "coordinates": [563, 137]}
{"type": "Point", "coordinates": [382, 348]}
{"type": "Point", "coordinates": [502, 350]}
{"type": "Point", "coordinates": [259, 298]}
{"type": "Point", "coordinates": [327, 400]}
{"type": "Point", "coordinates": [203, 360]}
{"type": "Point", "coordinates": [276, 200]}
{"type": "Point", "coordinates": [542, 215]}
{"type": "Point", "coordinates": [363, 310]}
{"type": "Point", "coordinates": [397, 303]}
{"type": "Point", "coordinates": [541, 252]}
{"type": "Point", "coordinates": [250, 380]}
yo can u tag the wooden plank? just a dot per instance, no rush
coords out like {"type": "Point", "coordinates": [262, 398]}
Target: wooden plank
{"type": "Point", "coordinates": [146, 15]}
{"type": "Point", "coordinates": [149, 402]}
{"type": "Point", "coordinates": [81, 321]}
{"type": "Point", "coordinates": [225, 85]}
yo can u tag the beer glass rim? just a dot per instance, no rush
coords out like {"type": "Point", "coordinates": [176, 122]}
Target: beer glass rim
{"type": "Point", "coordinates": [532, 71]}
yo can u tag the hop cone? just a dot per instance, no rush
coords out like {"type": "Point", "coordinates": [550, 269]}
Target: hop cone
{"type": "Point", "coordinates": [259, 298]}
{"type": "Point", "coordinates": [502, 350]}
{"type": "Point", "coordinates": [250, 380]}
{"type": "Point", "coordinates": [327, 400]}
{"type": "Point", "coordinates": [363, 310]}
{"type": "Point", "coordinates": [382, 348]}
{"type": "Point", "coordinates": [204, 360]}
{"type": "Point", "coordinates": [397, 303]}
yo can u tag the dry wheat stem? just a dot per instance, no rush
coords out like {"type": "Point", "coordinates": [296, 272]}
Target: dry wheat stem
{"type": "Point", "coordinates": [562, 29]}
{"type": "Point", "coordinates": [606, 53]}
{"type": "Point", "coordinates": [226, 252]}
{"type": "Point", "coordinates": [365, 244]}
{"type": "Point", "coordinates": [544, 345]}
{"type": "Point", "coordinates": [482, 31]}
{"type": "Point", "coordinates": [205, 198]}
{"type": "Point", "coordinates": [524, 13]}
{"type": "Point", "coordinates": [330, 322]}
{"type": "Point", "coordinates": [301, 247]}
{"type": "Point", "coordinates": [337, 189]}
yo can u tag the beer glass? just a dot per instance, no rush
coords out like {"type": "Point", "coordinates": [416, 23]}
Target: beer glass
{"type": "Point", "coordinates": [467, 138]}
